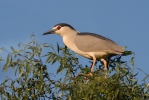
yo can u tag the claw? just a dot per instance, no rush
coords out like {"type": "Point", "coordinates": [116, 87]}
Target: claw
{"type": "Point", "coordinates": [105, 69]}
{"type": "Point", "coordinates": [106, 74]}
{"type": "Point", "coordinates": [90, 74]}
{"type": "Point", "coordinates": [86, 75]}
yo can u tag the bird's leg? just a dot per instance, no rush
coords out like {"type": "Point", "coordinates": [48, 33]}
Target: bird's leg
{"type": "Point", "coordinates": [92, 67]}
{"type": "Point", "coordinates": [105, 66]}
{"type": "Point", "coordinates": [105, 63]}
{"type": "Point", "coordinates": [93, 64]}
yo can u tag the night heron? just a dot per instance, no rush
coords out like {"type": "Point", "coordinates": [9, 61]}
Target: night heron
{"type": "Point", "coordinates": [89, 45]}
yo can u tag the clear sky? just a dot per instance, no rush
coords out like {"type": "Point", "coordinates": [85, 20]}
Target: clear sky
{"type": "Point", "coordinates": [124, 21]}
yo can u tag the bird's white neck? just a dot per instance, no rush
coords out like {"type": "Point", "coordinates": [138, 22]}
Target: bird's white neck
{"type": "Point", "coordinates": [69, 39]}
{"type": "Point", "coordinates": [67, 32]}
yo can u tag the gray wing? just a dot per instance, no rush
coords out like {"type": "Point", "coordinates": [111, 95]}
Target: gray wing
{"type": "Point", "coordinates": [90, 42]}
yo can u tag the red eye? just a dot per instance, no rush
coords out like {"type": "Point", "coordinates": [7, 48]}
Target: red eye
{"type": "Point", "coordinates": [58, 27]}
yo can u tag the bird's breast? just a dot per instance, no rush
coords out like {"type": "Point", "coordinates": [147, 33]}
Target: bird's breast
{"type": "Point", "coordinates": [70, 43]}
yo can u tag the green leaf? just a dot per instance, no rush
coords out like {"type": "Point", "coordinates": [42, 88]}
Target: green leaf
{"type": "Point", "coordinates": [132, 61]}
{"type": "Point", "coordinates": [57, 47]}
{"type": "Point", "coordinates": [126, 53]}
{"type": "Point", "coordinates": [133, 80]}
{"type": "Point", "coordinates": [39, 52]}
{"type": "Point", "coordinates": [146, 95]}
{"type": "Point", "coordinates": [116, 92]}
{"type": "Point", "coordinates": [45, 45]}
{"type": "Point", "coordinates": [20, 45]}
{"type": "Point", "coordinates": [5, 81]}
{"type": "Point", "coordinates": [17, 51]}
{"type": "Point", "coordinates": [1, 58]}
{"type": "Point", "coordinates": [145, 77]}
{"type": "Point", "coordinates": [12, 48]}
{"type": "Point", "coordinates": [7, 62]}
{"type": "Point", "coordinates": [54, 60]}
{"type": "Point", "coordinates": [31, 56]}
{"type": "Point", "coordinates": [65, 49]}
{"type": "Point", "coordinates": [16, 71]}
{"type": "Point", "coordinates": [49, 57]}
{"type": "Point", "coordinates": [21, 72]}
{"type": "Point", "coordinates": [52, 47]}
{"type": "Point", "coordinates": [27, 45]}
{"type": "Point", "coordinates": [32, 36]}
{"type": "Point", "coordinates": [59, 69]}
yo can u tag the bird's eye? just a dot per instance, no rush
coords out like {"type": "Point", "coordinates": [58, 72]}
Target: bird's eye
{"type": "Point", "coordinates": [58, 27]}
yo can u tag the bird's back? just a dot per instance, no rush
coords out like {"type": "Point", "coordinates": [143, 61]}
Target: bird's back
{"type": "Point", "coordinates": [90, 42]}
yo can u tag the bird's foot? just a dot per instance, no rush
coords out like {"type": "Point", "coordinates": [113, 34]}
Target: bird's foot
{"type": "Point", "coordinates": [90, 74]}
{"type": "Point", "coordinates": [105, 69]}
{"type": "Point", "coordinates": [86, 75]}
{"type": "Point", "coordinates": [105, 76]}
{"type": "Point", "coordinates": [105, 72]}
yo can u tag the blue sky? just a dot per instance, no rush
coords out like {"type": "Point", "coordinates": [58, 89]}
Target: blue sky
{"type": "Point", "coordinates": [124, 21]}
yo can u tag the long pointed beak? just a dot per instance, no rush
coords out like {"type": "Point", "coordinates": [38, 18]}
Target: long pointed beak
{"type": "Point", "coordinates": [49, 32]}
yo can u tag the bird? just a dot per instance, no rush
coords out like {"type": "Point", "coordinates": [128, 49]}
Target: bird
{"type": "Point", "coordinates": [89, 45]}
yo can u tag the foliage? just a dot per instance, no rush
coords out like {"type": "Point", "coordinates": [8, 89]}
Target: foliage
{"type": "Point", "coordinates": [33, 78]}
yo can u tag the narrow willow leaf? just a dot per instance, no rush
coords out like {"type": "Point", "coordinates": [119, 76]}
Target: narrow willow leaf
{"type": "Point", "coordinates": [69, 97]}
{"type": "Point", "coordinates": [32, 36]}
{"type": "Point", "coordinates": [126, 53]}
{"type": "Point", "coordinates": [49, 59]}
{"type": "Point", "coordinates": [135, 74]}
{"type": "Point", "coordinates": [1, 58]}
{"type": "Point", "coordinates": [12, 48]}
{"type": "Point", "coordinates": [58, 48]}
{"type": "Point", "coordinates": [59, 69]}
{"type": "Point", "coordinates": [7, 62]}
{"type": "Point", "coordinates": [31, 56]}
{"type": "Point", "coordinates": [5, 81]}
{"type": "Point", "coordinates": [39, 52]}
{"type": "Point", "coordinates": [145, 77]}
{"type": "Point", "coordinates": [45, 45]}
{"type": "Point", "coordinates": [21, 73]}
{"type": "Point", "coordinates": [133, 80]}
{"type": "Point", "coordinates": [123, 70]}
{"type": "Point", "coordinates": [41, 72]}
{"type": "Point", "coordinates": [12, 84]}
{"type": "Point", "coordinates": [146, 95]}
{"type": "Point", "coordinates": [20, 45]}
{"type": "Point", "coordinates": [132, 61]}
{"type": "Point", "coordinates": [17, 51]}
{"type": "Point", "coordinates": [116, 92]}
{"type": "Point", "coordinates": [117, 70]}
{"type": "Point", "coordinates": [52, 47]}
{"type": "Point", "coordinates": [65, 49]}
{"type": "Point", "coordinates": [16, 71]}
{"type": "Point", "coordinates": [54, 60]}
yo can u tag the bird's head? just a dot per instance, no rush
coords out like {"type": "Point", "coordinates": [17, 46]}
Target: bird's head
{"type": "Point", "coordinates": [60, 29]}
